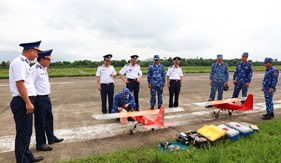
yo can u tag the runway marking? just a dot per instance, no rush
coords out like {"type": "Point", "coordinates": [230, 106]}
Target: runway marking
{"type": "Point", "coordinates": [53, 83]}
{"type": "Point", "coordinates": [7, 143]}
{"type": "Point", "coordinates": [58, 83]}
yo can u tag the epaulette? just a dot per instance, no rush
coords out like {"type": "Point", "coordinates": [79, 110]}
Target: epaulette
{"type": "Point", "coordinates": [23, 59]}
{"type": "Point", "coordinates": [38, 66]}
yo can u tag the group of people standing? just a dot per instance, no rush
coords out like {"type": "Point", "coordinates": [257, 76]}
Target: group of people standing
{"type": "Point", "coordinates": [30, 89]}
{"type": "Point", "coordinates": [242, 78]}
{"type": "Point", "coordinates": [128, 98]}
{"type": "Point", "coordinates": [156, 79]}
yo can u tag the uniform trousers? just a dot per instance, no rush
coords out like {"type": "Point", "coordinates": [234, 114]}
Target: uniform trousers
{"type": "Point", "coordinates": [107, 90]}
{"type": "Point", "coordinates": [134, 87]}
{"type": "Point", "coordinates": [174, 89]}
{"type": "Point", "coordinates": [238, 87]}
{"type": "Point", "coordinates": [268, 100]}
{"type": "Point", "coordinates": [216, 86]}
{"type": "Point", "coordinates": [156, 89]}
{"type": "Point", "coordinates": [43, 120]}
{"type": "Point", "coordinates": [23, 123]}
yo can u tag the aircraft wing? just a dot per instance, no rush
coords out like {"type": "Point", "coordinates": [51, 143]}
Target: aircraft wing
{"type": "Point", "coordinates": [134, 113]}
{"type": "Point", "coordinates": [217, 102]}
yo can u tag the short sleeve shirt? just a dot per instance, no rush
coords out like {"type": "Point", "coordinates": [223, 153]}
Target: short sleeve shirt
{"type": "Point", "coordinates": [20, 70]}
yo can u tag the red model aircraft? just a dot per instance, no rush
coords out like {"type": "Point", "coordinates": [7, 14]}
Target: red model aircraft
{"type": "Point", "coordinates": [143, 117]}
{"type": "Point", "coordinates": [229, 105]}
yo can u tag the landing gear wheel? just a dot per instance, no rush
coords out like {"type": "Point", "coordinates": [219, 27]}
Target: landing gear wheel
{"type": "Point", "coordinates": [229, 113]}
{"type": "Point", "coordinates": [214, 112]}
{"type": "Point", "coordinates": [131, 132]}
{"type": "Point", "coordinates": [216, 115]}
{"type": "Point", "coordinates": [152, 129]}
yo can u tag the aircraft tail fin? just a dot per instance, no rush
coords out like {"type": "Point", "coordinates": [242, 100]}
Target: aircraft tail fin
{"type": "Point", "coordinates": [248, 104]}
{"type": "Point", "coordinates": [160, 117]}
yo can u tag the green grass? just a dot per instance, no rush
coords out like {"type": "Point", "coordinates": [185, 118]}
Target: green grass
{"type": "Point", "coordinates": [71, 72]}
{"type": "Point", "coordinates": [263, 146]}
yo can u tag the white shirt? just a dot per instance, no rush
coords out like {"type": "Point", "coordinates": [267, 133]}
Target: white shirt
{"type": "Point", "coordinates": [20, 70]}
{"type": "Point", "coordinates": [132, 72]}
{"type": "Point", "coordinates": [40, 78]}
{"type": "Point", "coordinates": [174, 73]}
{"type": "Point", "coordinates": [104, 74]}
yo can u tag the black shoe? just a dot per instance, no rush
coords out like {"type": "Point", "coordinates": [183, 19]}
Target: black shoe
{"type": "Point", "coordinates": [37, 159]}
{"type": "Point", "coordinates": [152, 108]}
{"type": "Point", "coordinates": [272, 115]}
{"type": "Point", "coordinates": [130, 119]}
{"type": "Point", "coordinates": [44, 147]}
{"type": "Point", "coordinates": [264, 115]}
{"type": "Point", "coordinates": [159, 106]}
{"type": "Point", "coordinates": [56, 140]}
{"type": "Point", "coordinates": [268, 117]}
{"type": "Point", "coordinates": [118, 119]}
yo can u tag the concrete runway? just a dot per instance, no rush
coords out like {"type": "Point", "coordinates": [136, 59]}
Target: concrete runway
{"type": "Point", "coordinates": [76, 99]}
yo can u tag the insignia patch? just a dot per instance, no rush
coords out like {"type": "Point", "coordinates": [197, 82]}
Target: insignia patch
{"type": "Point", "coordinates": [26, 60]}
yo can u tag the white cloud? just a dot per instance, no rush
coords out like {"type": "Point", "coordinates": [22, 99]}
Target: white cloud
{"type": "Point", "coordinates": [89, 29]}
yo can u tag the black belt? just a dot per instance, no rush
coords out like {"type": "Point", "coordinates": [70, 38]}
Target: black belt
{"type": "Point", "coordinates": [30, 97]}
{"type": "Point", "coordinates": [106, 83]}
{"type": "Point", "coordinates": [175, 80]}
{"type": "Point", "coordinates": [42, 95]}
{"type": "Point", "coordinates": [132, 79]}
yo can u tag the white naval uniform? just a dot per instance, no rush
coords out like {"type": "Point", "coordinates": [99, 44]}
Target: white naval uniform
{"type": "Point", "coordinates": [104, 74]}
{"type": "Point", "coordinates": [41, 79]}
{"type": "Point", "coordinates": [20, 70]}
{"type": "Point", "coordinates": [132, 72]}
{"type": "Point", "coordinates": [107, 86]}
{"type": "Point", "coordinates": [174, 73]}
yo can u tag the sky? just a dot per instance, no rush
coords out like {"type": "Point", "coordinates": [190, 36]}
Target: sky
{"type": "Point", "coordinates": [89, 29]}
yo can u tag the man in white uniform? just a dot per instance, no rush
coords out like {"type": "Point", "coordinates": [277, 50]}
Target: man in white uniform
{"type": "Point", "coordinates": [22, 104]}
{"type": "Point", "coordinates": [174, 81]}
{"type": "Point", "coordinates": [43, 107]}
{"type": "Point", "coordinates": [133, 74]}
{"type": "Point", "coordinates": [105, 74]}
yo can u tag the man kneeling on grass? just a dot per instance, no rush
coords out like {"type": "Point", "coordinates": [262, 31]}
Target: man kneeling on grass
{"type": "Point", "coordinates": [124, 102]}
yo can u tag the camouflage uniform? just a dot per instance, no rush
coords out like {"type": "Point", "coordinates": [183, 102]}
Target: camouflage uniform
{"type": "Point", "coordinates": [156, 77]}
{"type": "Point", "coordinates": [122, 98]}
{"type": "Point", "coordinates": [218, 75]}
{"type": "Point", "coordinates": [270, 80]}
{"type": "Point", "coordinates": [242, 75]}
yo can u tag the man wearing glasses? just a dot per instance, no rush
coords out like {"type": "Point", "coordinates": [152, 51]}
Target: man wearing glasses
{"type": "Point", "coordinates": [218, 78]}
{"type": "Point", "coordinates": [43, 107]}
{"type": "Point", "coordinates": [22, 104]}
{"type": "Point", "coordinates": [156, 81]}
{"type": "Point", "coordinates": [133, 74]}
{"type": "Point", "coordinates": [105, 74]}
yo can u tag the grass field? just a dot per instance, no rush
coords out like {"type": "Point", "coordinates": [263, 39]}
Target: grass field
{"type": "Point", "coordinates": [71, 72]}
{"type": "Point", "coordinates": [262, 146]}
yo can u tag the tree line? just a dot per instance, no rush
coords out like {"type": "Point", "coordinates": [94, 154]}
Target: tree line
{"type": "Point", "coordinates": [121, 63]}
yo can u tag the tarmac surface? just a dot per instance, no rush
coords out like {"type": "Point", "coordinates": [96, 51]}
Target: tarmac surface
{"type": "Point", "coordinates": [75, 99]}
